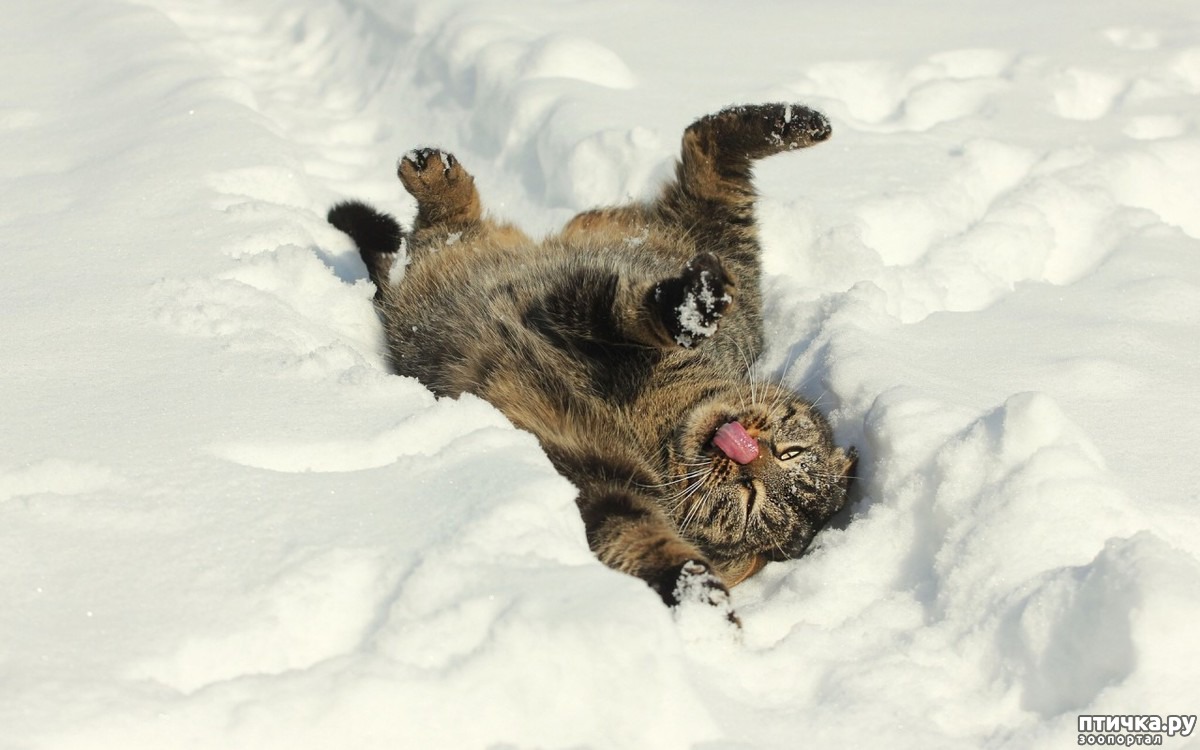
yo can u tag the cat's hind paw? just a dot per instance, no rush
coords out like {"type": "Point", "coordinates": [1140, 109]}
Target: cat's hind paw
{"type": "Point", "coordinates": [758, 130]}
{"type": "Point", "coordinates": [691, 304]}
{"type": "Point", "coordinates": [444, 190]}
{"type": "Point", "coordinates": [427, 171]}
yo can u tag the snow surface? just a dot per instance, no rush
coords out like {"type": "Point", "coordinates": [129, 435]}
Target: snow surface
{"type": "Point", "coordinates": [224, 525]}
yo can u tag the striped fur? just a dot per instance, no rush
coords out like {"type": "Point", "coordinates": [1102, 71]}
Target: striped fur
{"type": "Point", "coordinates": [623, 343]}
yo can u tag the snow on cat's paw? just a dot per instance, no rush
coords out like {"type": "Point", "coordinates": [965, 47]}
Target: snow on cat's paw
{"type": "Point", "coordinates": [424, 170]}
{"type": "Point", "coordinates": [691, 305]}
{"type": "Point", "coordinates": [759, 130]}
{"type": "Point", "coordinates": [793, 126]}
{"type": "Point", "coordinates": [693, 586]}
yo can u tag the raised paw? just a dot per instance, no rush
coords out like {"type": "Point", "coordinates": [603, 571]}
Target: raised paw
{"type": "Point", "coordinates": [793, 126]}
{"type": "Point", "coordinates": [445, 192]}
{"type": "Point", "coordinates": [694, 582]}
{"type": "Point", "coordinates": [756, 130]}
{"type": "Point", "coordinates": [690, 305]}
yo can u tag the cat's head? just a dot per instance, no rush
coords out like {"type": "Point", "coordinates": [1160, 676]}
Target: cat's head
{"type": "Point", "coordinates": [754, 475]}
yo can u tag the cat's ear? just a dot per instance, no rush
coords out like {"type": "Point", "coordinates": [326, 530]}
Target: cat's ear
{"type": "Point", "coordinates": [845, 462]}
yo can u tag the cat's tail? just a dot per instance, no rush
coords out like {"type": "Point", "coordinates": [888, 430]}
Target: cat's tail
{"type": "Point", "coordinates": [377, 235]}
{"type": "Point", "coordinates": [374, 232]}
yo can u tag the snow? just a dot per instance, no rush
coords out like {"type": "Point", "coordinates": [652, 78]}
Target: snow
{"type": "Point", "coordinates": [224, 525]}
{"type": "Point", "coordinates": [698, 313]}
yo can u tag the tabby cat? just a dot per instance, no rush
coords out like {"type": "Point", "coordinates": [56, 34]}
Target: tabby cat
{"type": "Point", "coordinates": [624, 344]}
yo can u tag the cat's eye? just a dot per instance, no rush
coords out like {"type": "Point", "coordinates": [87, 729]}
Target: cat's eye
{"type": "Point", "coordinates": [787, 454]}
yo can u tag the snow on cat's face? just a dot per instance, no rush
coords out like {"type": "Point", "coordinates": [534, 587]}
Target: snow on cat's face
{"type": "Point", "coordinates": [754, 476]}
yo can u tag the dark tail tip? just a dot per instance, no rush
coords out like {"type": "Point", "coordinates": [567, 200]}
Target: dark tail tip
{"type": "Point", "coordinates": [374, 232]}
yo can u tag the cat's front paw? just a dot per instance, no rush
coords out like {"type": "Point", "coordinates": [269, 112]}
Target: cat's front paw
{"type": "Point", "coordinates": [695, 583]}
{"type": "Point", "coordinates": [691, 304]}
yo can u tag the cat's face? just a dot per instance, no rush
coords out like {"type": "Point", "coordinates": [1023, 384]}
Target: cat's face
{"type": "Point", "coordinates": [764, 492]}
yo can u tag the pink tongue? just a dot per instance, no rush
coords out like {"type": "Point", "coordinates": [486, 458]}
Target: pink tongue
{"type": "Point", "coordinates": [733, 440]}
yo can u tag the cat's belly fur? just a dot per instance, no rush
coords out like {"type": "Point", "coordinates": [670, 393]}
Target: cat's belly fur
{"type": "Point", "coordinates": [463, 320]}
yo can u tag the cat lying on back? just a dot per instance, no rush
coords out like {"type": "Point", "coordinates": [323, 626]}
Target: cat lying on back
{"type": "Point", "coordinates": [624, 343]}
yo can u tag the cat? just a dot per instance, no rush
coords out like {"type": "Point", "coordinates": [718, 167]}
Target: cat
{"type": "Point", "coordinates": [624, 344]}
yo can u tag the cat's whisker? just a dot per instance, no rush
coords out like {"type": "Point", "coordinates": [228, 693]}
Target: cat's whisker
{"type": "Point", "coordinates": [752, 376]}
{"type": "Point", "coordinates": [681, 496]}
{"type": "Point", "coordinates": [681, 478]}
{"type": "Point", "coordinates": [682, 502]}
{"type": "Point", "coordinates": [778, 403]}
{"type": "Point", "coordinates": [693, 513]}
{"type": "Point", "coordinates": [695, 469]}
{"type": "Point", "coordinates": [781, 392]}
{"type": "Point", "coordinates": [748, 510]}
{"type": "Point", "coordinates": [824, 393]}
{"type": "Point", "coordinates": [787, 370]}
{"type": "Point", "coordinates": [677, 504]}
{"type": "Point", "coordinates": [781, 396]}
{"type": "Point", "coordinates": [839, 477]}
{"type": "Point", "coordinates": [782, 380]}
{"type": "Point", "coordinates": [775, 541]}
{"type": "Point", "coordinates": [675, 494]}
{"type": "Point", "coordinates": [688, 519]}
{"type": "Point", "coordinates": [689, 469]}
{"type": "Point", "coordinates": [749, 375]}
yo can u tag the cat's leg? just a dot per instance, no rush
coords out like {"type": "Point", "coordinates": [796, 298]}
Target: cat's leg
{"type": "Point", "coordinates": [628, 531]}
{"type": "Point", "coordinates": [711, 199]}
{"type": "Point", "coordinates": [619, 221]}
{"type": "Point", "coordinates": [714, 169]}
{"type": "Point", "coordinates": [445, 192]}
{"type": "Point", "coordinates": [446, 201]}
{"type": "Point", "coordinates": [713, 177]}
{"type": "Point", "coordinates": [617, 305]}
{"type": "Point", "coordinates": [449, 210]}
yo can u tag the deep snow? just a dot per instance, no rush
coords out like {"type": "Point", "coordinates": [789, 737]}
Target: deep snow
{"type": "Point", "coordinates": [224, 525]}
